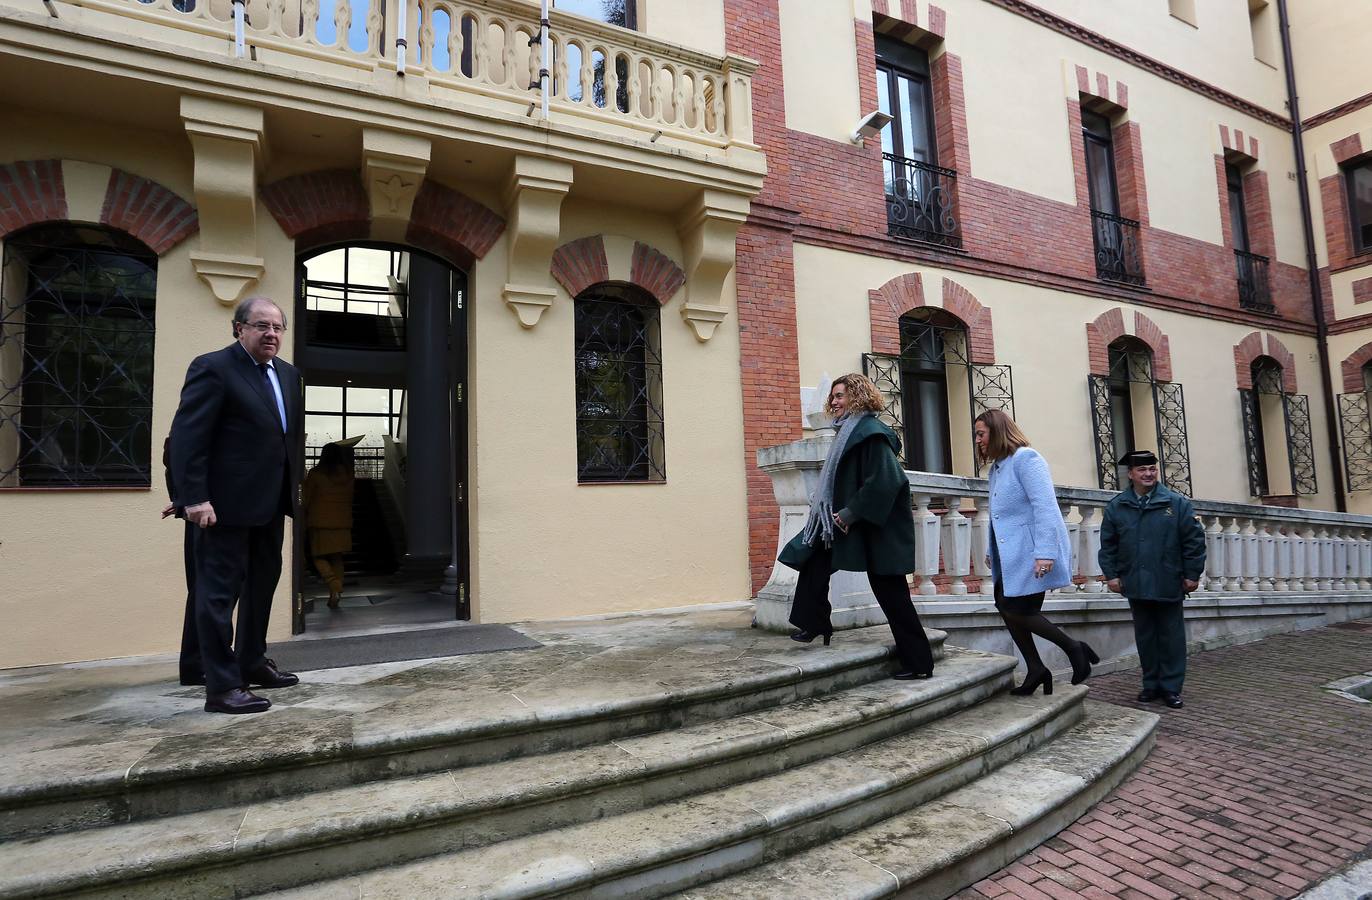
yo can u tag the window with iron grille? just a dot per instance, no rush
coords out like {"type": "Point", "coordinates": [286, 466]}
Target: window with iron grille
{"type": "Point", "coordinates": [619, 423]}
{"type": "Point", "coordinates": [77, 320]}
{"type": "Point", "coordinates": [1132, 410]}
{"type": "Point", "coordinates": [1359, 186]}
{"type": "Point", "coordinates": [1277, 434]}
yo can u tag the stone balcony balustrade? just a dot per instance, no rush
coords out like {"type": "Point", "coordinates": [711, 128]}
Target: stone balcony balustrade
{"type": "Point", "coordinates": [474, 52]}
{"type": "Point", "coordinates": [1268, 569]}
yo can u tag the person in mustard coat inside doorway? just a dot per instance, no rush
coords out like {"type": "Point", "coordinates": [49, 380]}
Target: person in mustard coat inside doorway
{"type": "Point", "coordinates": [1030, 553]}
{"type": "Point", "coordinates": [327, 499]}
{"type": "Point", "coordinates": [860, 521]}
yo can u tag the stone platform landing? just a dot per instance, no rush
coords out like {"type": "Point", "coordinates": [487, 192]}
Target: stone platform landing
{"type": "Point", "coordinates": [638, 757]}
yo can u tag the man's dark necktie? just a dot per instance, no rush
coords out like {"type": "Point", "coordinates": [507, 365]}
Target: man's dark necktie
{"type": "Point", "coordinates": [271, 392]}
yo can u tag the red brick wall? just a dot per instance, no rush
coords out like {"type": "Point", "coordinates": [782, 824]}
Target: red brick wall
{"type": "Point", "coordinates": [581, 263]}
{"type": "Point", "coordinates": [1352, 368]}
{"type": "Point", "coordinates": [318, 208]}
{"type": "Point", "coordinates": [452, 224]}
{"type": "Point", "coordinates": [1251, 347]}
{"type": "Point", "coordinates": [654, 271]}
{"type": "Point", "coordinates": [31, 192]}
{"type": "Point", "coordinates": [1362, 290]}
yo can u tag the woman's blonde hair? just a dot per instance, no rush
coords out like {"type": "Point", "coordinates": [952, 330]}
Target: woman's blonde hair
{"type": "Point", "coordinates": [863, 396]}
{"type": "Point", "coordinates": [1003, 436]}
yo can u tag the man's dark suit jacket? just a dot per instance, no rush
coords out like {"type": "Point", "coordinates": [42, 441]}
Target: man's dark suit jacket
{"type": "Point", "coordinates": [227, 445]}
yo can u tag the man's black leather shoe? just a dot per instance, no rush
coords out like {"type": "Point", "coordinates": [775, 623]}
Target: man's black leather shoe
{"type": "Point", "coordinates": [191, 679]}
{"type": "Point", "coordinates": [269, 676]}
{"type": "Point", "coordinates": [237, 700]}
{"type": "Point", "coordinates": [1148, 695]}
{"type": "Point", "coordinates": [1172, 701]}
{"type": "Point", "coordinates": [908, 675]}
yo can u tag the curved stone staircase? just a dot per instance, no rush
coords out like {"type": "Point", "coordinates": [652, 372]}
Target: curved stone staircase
{"type": "Point", "coordinates": [822, 777]}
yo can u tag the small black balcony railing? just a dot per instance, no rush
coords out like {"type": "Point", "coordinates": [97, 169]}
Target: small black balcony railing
{"type": "Point", "coordinates": [1117, 248]}
{"type": "Point", "coordinates": [919, 201]}
{"type": "Point", "coordinates": [1254, 291]}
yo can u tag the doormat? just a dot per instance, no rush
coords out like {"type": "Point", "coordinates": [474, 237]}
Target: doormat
{"type": "Point", "coordinates": [395, 646]}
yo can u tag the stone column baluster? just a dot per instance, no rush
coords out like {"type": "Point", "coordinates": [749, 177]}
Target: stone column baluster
{"type": "Point", "coordinates": [981, 543]}
{"type": "Point", "coordinates": [1214, 555]}
{"type": "Point", "coordinates": [1365, 564]}
{"type": "Point", "coordinates": [1088, 552]}
{"type": "Point", "coordinates": [1233, 555]}
{"type": "Point", "coordinates": [1312, 558]}
{"type": "Point", "coordinates": [1282, 557]}
{"type": "Point", "coordinates": [1298, 556]}
{"type": "Point", "coordinates": [926, 545]}
{"type": "Point", "coordinates": [957, 546]}
{"type": "Point", "coordinates": [1340, 544]}
{"type": "Point", "coordinates": [1073, 531]}
{"type": "Point", "coordinates": [1267, 561]}
{"type": "Point", "coordinates": [1353, 565]}
{"type": "Point", "coordinates": [1248, 540]}
{"type": "Point", "coordinates": [1325, 573]}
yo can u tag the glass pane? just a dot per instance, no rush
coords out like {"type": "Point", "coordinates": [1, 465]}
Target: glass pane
{"type": "Point", "coordinates": [368, 400]}
{"type": "Point", "coordinates": [914, 111]}
{"type": "Point", "coordinates": [1360, 198]}
{"type": "Point", "coordinates": [884, 104]}
{"type": "Point", "coordinates": [1101, 177]}
{"type": "Point", "coordinates": [323, 398]}
{"type": "Point", "coordinates": [319, 430]}
{"type": "Point", "coordinates": [1237, 222]}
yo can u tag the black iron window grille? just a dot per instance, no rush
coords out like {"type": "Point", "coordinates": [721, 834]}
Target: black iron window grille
{"type": "Point", "coordinates": [1254, 290]}
{"type": "Point", "coordinates": [918, 385]}
{"type": "Point", "coordinates": [1117, 248]}
{"type": "Point", "coordinates": [1355, 426]}
{"type": "Point", "coordinates": [1112, 415]}
{"type": "Point", "coordinates": [619, 421]}
{"type": "Point", "coordinates": [77, 321]}
{"type": "Point", "coordinates": [919, 201]}
{"type": "Point", "coordinates": [1295, 415]}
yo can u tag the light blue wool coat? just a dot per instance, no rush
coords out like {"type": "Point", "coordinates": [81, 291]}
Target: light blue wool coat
{"type": "Point", "coordinates": [1027, 525]}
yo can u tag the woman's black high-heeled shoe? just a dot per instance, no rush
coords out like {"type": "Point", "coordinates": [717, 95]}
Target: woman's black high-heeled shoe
{"type": "Point", "coordinates": [805, 637]}
{"type": "Point", "coordinates": [1032, 681]}
{"type": "Point", "coordinates": [1082, 656]}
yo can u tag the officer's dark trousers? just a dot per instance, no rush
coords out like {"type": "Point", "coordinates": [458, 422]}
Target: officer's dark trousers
{"type": "Point", "coordinates": [1160, 633]}
{"type": "Point", "coordinates": [228, 557]}
{"type": "Point", "coordinates": [810, 609]}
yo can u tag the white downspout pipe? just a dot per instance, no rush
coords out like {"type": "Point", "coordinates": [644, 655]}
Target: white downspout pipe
{"type": "Point", "coordinates": [543, 71]}
{"type": "Point", "coordinates": [238, 40]}
{"type": "Point", "coordinates": [402, 7]}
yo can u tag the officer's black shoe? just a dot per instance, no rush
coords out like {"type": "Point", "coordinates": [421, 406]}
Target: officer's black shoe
{"type": "Point", "coordinates": [1172, 701]}
{"type": "Point", "coordinates": [1148, 695]}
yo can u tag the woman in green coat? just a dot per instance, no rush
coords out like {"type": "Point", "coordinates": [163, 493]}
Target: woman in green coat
{"type": "Point", "coordinates": [860, 521]}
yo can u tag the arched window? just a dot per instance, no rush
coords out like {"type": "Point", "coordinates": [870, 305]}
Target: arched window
{"type": "Point", "coordinates": [1280, 453]}
{"type": "Point", "coordinates": [619, 423]}
{"type": "Point", "coordinates": [931, 386]}
{"type": "Point", "coordinates": [77, 320]}
{"type": "Point", "coordinates": [1132, 410]}
{"type": "Point", "coordinates": [1355, 426]}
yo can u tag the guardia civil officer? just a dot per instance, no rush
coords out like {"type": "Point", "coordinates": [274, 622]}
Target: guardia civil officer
{"type": "Point", "coordinates": [1152, 550]}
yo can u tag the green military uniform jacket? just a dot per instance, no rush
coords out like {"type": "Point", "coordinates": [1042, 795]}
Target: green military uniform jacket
{"type": "Point", "coordinates": [872, 494]}
{"type": "Point", "coordinates": [1152, 544]}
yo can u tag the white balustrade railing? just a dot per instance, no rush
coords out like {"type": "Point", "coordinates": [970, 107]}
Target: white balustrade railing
{"type": "Point", "coordinates": [489, 47]}
{"type": "Point", "coordinates": [1250, 549]}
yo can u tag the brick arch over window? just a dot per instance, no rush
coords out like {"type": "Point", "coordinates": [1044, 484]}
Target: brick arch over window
{"type": "Point", "coordinates": [904, 293]}
{"type": "Point", "coordinates": [1109, 327]}
{"type": "Point", "coordinates": [583, 262]}
{"type": "Point", "coordinates": [1352, 368]}
{"type": "Point", "coordinates": [1250, 348]}
{"type": "Point", "coordinates": [331, 206]}
{"type": "Point", "coordinates": [33, 192]}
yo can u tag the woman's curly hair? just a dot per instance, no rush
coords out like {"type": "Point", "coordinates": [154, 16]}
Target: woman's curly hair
{"type": "Point", "coordinates": [863, 396]}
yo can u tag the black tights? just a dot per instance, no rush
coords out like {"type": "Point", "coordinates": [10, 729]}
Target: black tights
{"type": "Point", "coordinates": [1023, 626]}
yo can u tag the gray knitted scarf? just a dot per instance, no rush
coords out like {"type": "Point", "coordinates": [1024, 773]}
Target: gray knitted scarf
{"type": "Point", "coordinates": [821, 520]}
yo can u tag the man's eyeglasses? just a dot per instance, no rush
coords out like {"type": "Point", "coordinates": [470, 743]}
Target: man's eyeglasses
{"type": "Point", "coordinates": [264, 327]}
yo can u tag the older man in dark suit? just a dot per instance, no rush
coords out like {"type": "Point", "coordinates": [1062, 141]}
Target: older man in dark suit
{"type": "Point", "coordinates": [235, 460]}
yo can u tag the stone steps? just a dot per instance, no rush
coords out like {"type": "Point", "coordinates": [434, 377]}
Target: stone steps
{"type": "Point", "coordinates": [943, 846]}
{"type": "Point", "coordinates": [241, 850]}
{"type": "Point", "coordinates": [677, 845]}
{"type": "Point", "coordinates": [258, 759]}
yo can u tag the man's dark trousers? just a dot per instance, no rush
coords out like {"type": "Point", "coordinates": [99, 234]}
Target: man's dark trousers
{"type": "Point", "coordinates": [192, 666]}
{"type": "Point", "coordinates": [228, 557]}
{"type": "Point", "coordinates": [1160, 634]}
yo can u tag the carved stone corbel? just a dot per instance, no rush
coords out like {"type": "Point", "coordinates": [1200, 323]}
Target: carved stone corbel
{"type": "Point", "coordinates": [227, 139]}
{"type": "Point", "coordinates": [707, 236]}
{"type": "Point", "coordinates": [533, 203]}
{"type": "Point", "coordinates": [393, 167]}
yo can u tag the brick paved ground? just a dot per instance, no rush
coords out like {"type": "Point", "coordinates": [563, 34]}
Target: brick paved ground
{"type": "Point", "coordinates": [1259, 788]}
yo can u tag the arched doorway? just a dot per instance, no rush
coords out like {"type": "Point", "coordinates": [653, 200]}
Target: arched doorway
{"type": "Point", "coordinates": [382, 342]}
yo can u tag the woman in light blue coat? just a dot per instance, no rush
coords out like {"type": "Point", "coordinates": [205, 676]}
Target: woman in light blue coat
{"type": "Point", "coordinates": [1030, 553]}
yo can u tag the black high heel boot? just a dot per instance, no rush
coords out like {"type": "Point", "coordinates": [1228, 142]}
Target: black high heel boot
{"type": "Point", "coordinates": [1031, 682]}
{"type": "Point", "coordinates": [805, 637]}
{"type": "Point", "coordinates": [1082, 656]}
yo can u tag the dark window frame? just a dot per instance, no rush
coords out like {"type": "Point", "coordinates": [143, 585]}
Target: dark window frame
{"type": "Point", "coordinates": [1097, 130]}
{"type": "Point", "coordinates": [1360, 244]}
{"type": "Point", "coordinates": [632, 370]}
{"type": "Point", "coordinates": [96, 417]}
{"type": "Point", "coordinates": [923, 361]}
{"type": "Point", "coordinates": [896, 60]}
{"type": "Point", "coordinates": [1238, 207]}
